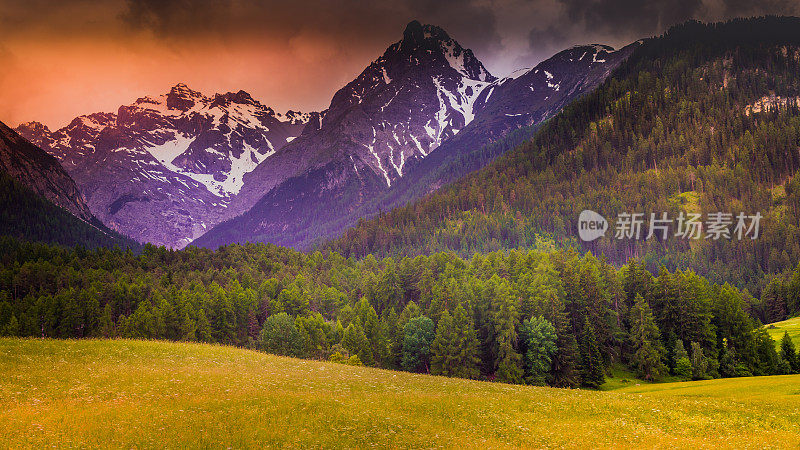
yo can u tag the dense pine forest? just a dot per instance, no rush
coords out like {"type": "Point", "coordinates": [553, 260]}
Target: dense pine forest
{"type": "Point", "coordinates": [703, 119]}
{"type": "Point", "coordinates": [523, 316]}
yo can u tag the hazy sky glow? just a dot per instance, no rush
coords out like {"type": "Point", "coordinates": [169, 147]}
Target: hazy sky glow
{"type": "Point", "coordinates": [63, 58]}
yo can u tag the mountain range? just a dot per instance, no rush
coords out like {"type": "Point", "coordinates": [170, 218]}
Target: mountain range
{"type": "Point", "coordinates": [186, 168]}
{"type": "Point", "coordinates": [164, 169]}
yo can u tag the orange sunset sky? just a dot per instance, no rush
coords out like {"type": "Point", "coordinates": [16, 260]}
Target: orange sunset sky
{"type": "Point", "coordinates": [60, 59]}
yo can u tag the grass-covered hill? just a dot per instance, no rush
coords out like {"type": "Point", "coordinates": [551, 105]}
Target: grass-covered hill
{"type": "Point", "coordinates": [778, 329]}
{"type": "Point", "coordinates": [138, 394]}
{"type": "Point", "coordinates": [703, 119]}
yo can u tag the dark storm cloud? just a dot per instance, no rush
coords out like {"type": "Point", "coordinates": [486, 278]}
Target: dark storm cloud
{"type": "Point", "coordinates": [622, 21]}
{"type": "Point", "coordinates": [367, 20]}
{"type": "Point", "coordinates": [735, 8]}
{"type": "Point", "coordinates": [640, 17]}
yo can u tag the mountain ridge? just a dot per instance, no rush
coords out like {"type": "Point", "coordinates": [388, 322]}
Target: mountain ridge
{"type": "Point", "coordinates": [341, 172]}
{"type": "Point", "coordinates": [165, 168]}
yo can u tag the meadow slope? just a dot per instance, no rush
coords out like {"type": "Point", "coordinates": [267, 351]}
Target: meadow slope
{"type": "Point", "coordinates": [154, 394]}
{"type": "Point", "coordinates": [777, 329]}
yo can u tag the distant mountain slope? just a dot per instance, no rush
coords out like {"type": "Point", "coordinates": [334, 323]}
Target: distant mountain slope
{"type": "Point", "coordinates": [40, 202]}
{"type": "Point", "coordinates": [164, 169]}
{"type": "Point", "coordinates": [400, 130]}
{"type": "Point", "coordinates": [704, 119]}
{"type": "Point", "coordinates": [39, 172]}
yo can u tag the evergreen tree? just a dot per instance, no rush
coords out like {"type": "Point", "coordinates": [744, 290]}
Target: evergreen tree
{"type": "Point", "coordinates": [508, 362]}
{"type": "Point", "coordinates": [767, 359]}
{"type": "Point", "coordinates": [373, 330]}
{"type": "Point", "coordinates": [648, 351]}
{"type": "Point", "coordinates": [592, 370]}
{"type": "Point", "coordinates": [683, 365]}
{"type": "Point", "coordinates": [699, 362]}
{"type": "Point", "coordinates": [564, 368]}
{"type": "Point", "coordinates": [107, 323]}
{"type": "Point", "coordinates": [789, 354]}
{"type": "Point", "coordinates": [443, 350]}
{"type": "Point", "coordinates": [727, 361]}
{"type": "Point", "coordinates": [466, 345]}
{"type": "Point", "coordinates": [13, 327]}
{"type": "Point", "coordinates": [355, 341]}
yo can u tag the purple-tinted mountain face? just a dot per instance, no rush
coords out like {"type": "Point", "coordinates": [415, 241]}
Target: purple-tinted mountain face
{"type": "Point", "coordinates": [421, 92]}
{"type": "Point", "coordinates": [165, 169]}
{"type": "Point", "coordinates": [411, 111]}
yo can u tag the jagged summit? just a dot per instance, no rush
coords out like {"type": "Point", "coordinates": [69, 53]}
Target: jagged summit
{"type": "Point", "coordinates": [414, 33]}
{"type": "Point", "coordinates": [425, 41]}
{"type": "Point", "coordinates": [182, 98]}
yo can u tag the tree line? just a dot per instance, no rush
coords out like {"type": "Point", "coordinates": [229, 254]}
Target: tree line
{"type": "Point", "coordinates": [559, 318]}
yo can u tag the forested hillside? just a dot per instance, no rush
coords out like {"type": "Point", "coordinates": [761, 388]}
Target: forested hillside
{"type": "Point", "coordinates": [534, 317]}
{"type": "Point", "coordinates": [703, 119]}
{"type": "Point", "coordinates": [29, 216]}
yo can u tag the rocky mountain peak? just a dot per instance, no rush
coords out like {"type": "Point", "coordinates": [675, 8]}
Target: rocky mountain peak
{"type": "Point", "coordinates": [182, 98]}
{"type": "Point", "coordinates": [33, 128]}
{"type": "Point", "coordinates": [422, 42]}
{"type": "Point", "coordinates": [226, 99]}
{"type": "Point", "coordinates": [413, 34]}
{"type": "Point", "coordinates": [164, 168]}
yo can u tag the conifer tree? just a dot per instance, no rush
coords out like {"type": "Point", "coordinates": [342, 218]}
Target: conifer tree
{"type": "Point", "coordinates": [565, 365]}
{"type": "Point", "coordinates": [410, 311]}
{"type": "Point", "coordinates": [699, 362]}
{"type": "Point", "coordinates": [789, 354]}
{"type": "Point", "coordinates": [466, 344]}
{"type": "Point", "coordinates": [592, 371]}
{"type": "Point", "coordinates": [372, 329]}
{"type": "Point", "coordinates": [648, 351]}
{"type": "Point", "coordinates": [355, 341]}
{"type": "Point", "coordinates": [508, 362]}
{"type": "Point", "coordinates": [683, 365]}
{"type": "Point", "coordinates": [443, 351]}
{"type": "Point", "coordinates": [13, 328]}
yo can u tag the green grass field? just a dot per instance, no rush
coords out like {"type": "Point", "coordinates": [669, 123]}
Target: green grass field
{"type": "Point", "coordinates": [777, 329]}
{"type": "Point", "coordinates": [148, 394]}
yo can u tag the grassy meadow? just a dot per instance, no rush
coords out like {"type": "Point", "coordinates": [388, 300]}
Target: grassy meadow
{"type": "Point", "coordinates": [142, 394]}
{"type": "Point", "coordinates": [777, 329]}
